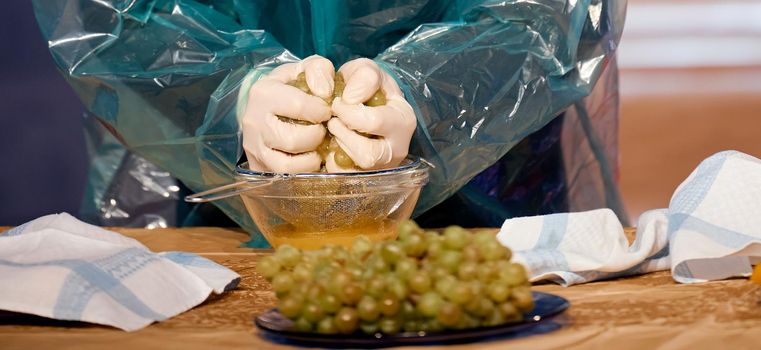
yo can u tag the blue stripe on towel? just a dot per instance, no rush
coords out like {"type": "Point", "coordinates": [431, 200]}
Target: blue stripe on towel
{"type": "Point", "coordinates": [553, 229]}
{"type": "Point", "coordinates": [689, 197]}
{"type": "Point", "coordinates": [724, 236]}
{"type": "Point", "coordinates": [14, 231]}
{"type": "Point", "coordinates": [85, 279]}
{"type": "Point", "coordinates": [188, 259]}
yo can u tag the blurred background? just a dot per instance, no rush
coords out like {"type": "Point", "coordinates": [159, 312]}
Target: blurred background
{"type": "Point", "coordinates": [42, 144]}
{"type": "Point", "coordinates": [690, 87]}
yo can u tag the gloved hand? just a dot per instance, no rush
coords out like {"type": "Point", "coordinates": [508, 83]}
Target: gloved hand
{"type": "Point", "coordinates": [387, 128]}
{"type": "Point", "coordinates": [282, 124]}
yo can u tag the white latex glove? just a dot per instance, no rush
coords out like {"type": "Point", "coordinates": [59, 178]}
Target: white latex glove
{"type": "Point", "coordinates": [277, 146]}
{"type": "Point", "coordinates": [394, 122]}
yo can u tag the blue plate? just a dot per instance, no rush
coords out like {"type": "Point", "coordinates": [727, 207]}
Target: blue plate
{"type": "Point", "coordinates": [276, 327]}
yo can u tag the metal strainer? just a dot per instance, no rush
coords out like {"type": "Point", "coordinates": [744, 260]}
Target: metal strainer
{"type": "Point", "coordinates": [313, 209]}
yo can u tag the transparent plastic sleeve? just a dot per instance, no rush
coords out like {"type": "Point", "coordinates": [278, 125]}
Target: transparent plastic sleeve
{"type": "Point", "coordinates": [163, 77]}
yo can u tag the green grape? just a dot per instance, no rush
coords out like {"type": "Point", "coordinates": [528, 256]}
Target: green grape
{"type": "Point", "coordinates": [314, 292]}
{"type": "Point", "coordinates": [351, 294]}
{"type": "Point", "coordinates": [368, 274]}
{"type": "Point", "coordinates": [343, 160]}
{"type": "Point", "coordinates": [513, 275]}
{"type": "Point", "coordinates": [324, 148]}
{"type": "Point", "coordinates": [361, 246]}
{"type": "Point", "coordinates": [389, 325]}
{"type": "Point", "coordinates": [323, 274]}
{"type": "Point", "coordinates": [496, 266]}
{"type": "Point", "coordinates": [302, 289]}
{"type": "Point", "coordinates": [508, 254]}
{"type": "Point", "coordinates": [339, 254]}
{"type": "Point", "coordinates": [339, 280]}
{"type": "Point", "coordinates": [433, 325]}
{"type": "Point", "coordinates": [282, 283]}
{"type": "Point", "coordinates": [347, 320]}
{"type": "Point", "coordinates": [501, 265]}
{"type": "Point", "coordinates": [486, 307]}
{"type": "Point", "coordinates": [300, 83]}
{"type": "Point", "coordinates": [407, 310]}
{"type": "Point", "coordinates": [473, 306]}
{"type": "Point", "coordinates": [389, 305]}
{"type": "Point", "coordinates": [406, 229]}
{"type": "Point", "coordinates": [333, 146]}
{"type": "Point", "coordinates": [449, 314]}
{"type": "Point", "coordinates": [487, 272]}
{"type": "Point", "coordinates": [467, 321]}
{"type": "Point", "coordinates": [467, 271]}
{"type": "Point", "coordinates": [494, 318]}
{"type": "Point", "coordinates": [522, 298]}
{"type": "Point", "coordinates": [450, 259]}
{"type": "Point", "coordinates": [369, 327]}
{"type": "Point", "coordinates": [268, 267]}
{"type": "Point", "coordinates": [308, 259]}
{"type": "Point", "coordinates": [375, 286]}
{"type": "Point", "coordinates": [456, 237]}
{"type": "Point", "coordinates": [429, 304]}
{"type": "Point", "coordinates": [406, 267]}
{"type": "Point", "coordinates": [355, 271]}
{"type": "Point", "coordinates": [420, 282]}
{"type": "Point", "coordinates": [411, 326]}
{"type": "Point", "coordinates": [291, 306]}
{"type": "Point", "coordinates": [302, 325]}
{"type": "Point", "coordinates": [492, 251]}
{"type": "Point", "coordinates": [396, 287]}
{"type": "Point", "coordinates": [459, 293]}
{"type": "Point", "coordinates": [445, 285]}
{"type": "Point", "coordinates": [414, 245]}
{"type": "Point", "coordinates": [338, 85]}
{"type": "Point", "coordinates": [477, 287]}
{"type": "Point", "coordinates": [392, 252]}
{"type": "Point", "coordinates": [329, 303]}
{"type": "Point", "coordinates": [498, 292]}
{"type": "Point", "coordinates": [509, 311]}
{"type": "Point", "coordinates": [377, 264]}
{"type": "Point", "coordinates": [378, 99]}
{"type": "Point", "coordinates": [293, 121]}
{"type": "Point", "coordinates": [288, 255]}
{"type": "Point", "coordinates": [470, 253]}
{"type": "Point", "coordinates": [312, 313]}
{"type": "Point", "coordinates": [302, 273]}
{"type": "Point", "coordinates": [327, 326]}
{"type": "Point", "coordinates": [368, 309]}
{"type": "Point", "coordinates": [334, 265]}
{"type": "Point", "coordinates": [439, 272]}
{"type": "Point", "coordinates": [484, 238]}
{"type": "Point", "coordinates": [431, 236]}
{"type": "Point", "coordinates": [423, 281]}
{"type": "Point", "coordinates": [435, 248]}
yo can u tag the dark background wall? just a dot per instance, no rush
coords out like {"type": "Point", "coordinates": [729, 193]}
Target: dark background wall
{"type": "Point", "coordinates": [43, 161]}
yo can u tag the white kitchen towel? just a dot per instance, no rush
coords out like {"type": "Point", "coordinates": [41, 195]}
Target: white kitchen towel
{"type": "Point", "coordinates": [711, 230]}
{"type": "Point", "coordinates": [59, 267]}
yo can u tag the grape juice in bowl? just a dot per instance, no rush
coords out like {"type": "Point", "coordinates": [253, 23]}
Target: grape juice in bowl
{"type": "Point", "coordinates": [310, 210]}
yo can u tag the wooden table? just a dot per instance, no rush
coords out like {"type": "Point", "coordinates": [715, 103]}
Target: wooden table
{"type": "Point", "coordinates": [646, 312]}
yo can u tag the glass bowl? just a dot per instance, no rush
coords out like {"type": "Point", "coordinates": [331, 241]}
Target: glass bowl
{"type": "Point", "coordinates": [310, 210]}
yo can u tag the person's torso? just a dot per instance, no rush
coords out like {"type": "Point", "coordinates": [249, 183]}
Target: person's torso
{"type": "Point", "coordinates": [343, 29]}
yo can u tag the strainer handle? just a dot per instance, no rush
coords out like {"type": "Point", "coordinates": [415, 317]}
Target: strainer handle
{"type": "Point", "coordinates": [225, 191]}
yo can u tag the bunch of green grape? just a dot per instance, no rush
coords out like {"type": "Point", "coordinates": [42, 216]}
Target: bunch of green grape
{"type": "Point", "coordinates": [329, 142]}
{"type": "Point", "coordinates": [423, 281]}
